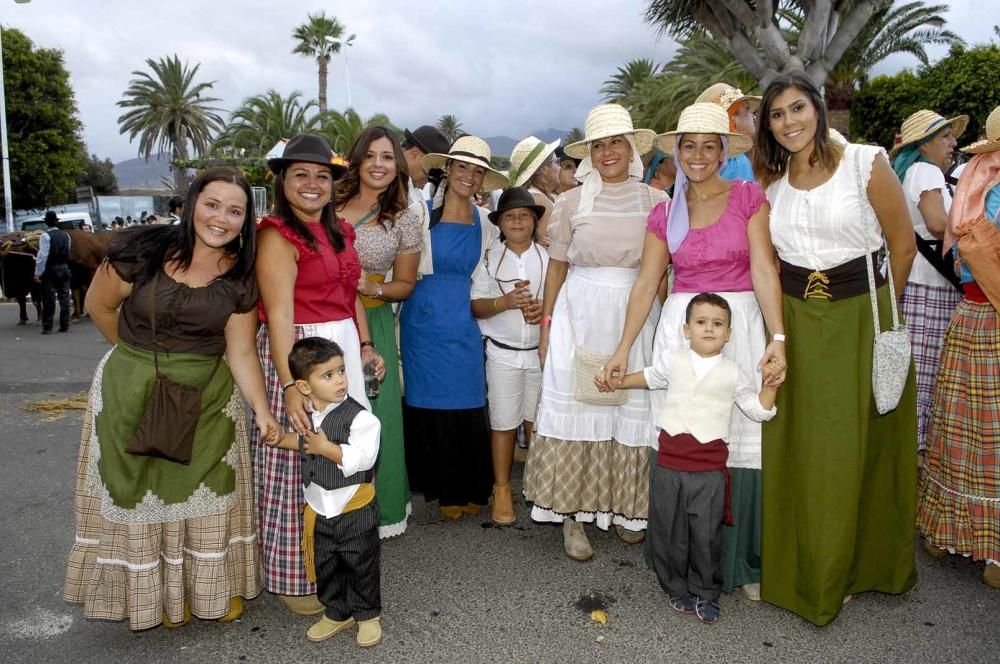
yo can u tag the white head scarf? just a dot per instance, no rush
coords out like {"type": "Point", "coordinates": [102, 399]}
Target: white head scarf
{"type": "Point", "coordinates": [592, 181]}
{"type": "Point", "coordinates": [678, 220]}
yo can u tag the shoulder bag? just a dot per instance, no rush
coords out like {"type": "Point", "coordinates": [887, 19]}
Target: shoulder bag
{"type": "Point", "coordinates": [586, 365]}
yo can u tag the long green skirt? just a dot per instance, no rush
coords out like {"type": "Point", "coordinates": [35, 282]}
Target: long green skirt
{"type": "Point", "coordinates": [392, 488]}
{"type": "Point", "coordinates": [839, 495]}
{"type": "Point", "coordinates": [741, 543]}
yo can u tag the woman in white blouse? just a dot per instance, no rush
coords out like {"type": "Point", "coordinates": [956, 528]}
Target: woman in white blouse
{"type": "Point", "coordinates": [507, 300]}
{"type": "Point", "coordinates": [932, 292]}
{"type": "Point", "coordinates": [839, 479]}
{"type": "Point", "coordinates": [590, 463]}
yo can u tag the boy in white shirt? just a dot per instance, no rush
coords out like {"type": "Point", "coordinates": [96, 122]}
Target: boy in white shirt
{"type": "Point", "coordinates": [689, 494]}
{"type": "Point", "coordinates": [340, 541]}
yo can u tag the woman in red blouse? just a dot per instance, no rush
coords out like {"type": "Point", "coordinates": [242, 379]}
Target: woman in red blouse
{"type": "Point", "coordinates": [308, 272]}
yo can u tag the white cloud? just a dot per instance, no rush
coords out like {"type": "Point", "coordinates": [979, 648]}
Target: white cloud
{"type": "Point", "coordinates": [502, 67]}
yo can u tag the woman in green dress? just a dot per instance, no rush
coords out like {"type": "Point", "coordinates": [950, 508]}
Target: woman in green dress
{"type": "Point", "coordinates": [374, 195]}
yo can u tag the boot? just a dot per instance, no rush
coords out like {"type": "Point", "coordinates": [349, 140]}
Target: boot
{"type": "Point", "coordinates": [369, 633]}
{"type": "Point", "coordinates": [452, 512]}
{"type": "Point", "coordinates": [326, 628]}
{"type": "Point", "coordinates": [575, 541]}
{"type": "Point", "coordinates": [235, 610]}
{"type": "Point", "coordinates": [302, 605]}
{"type": "Point", "coordinates": [503, 505]}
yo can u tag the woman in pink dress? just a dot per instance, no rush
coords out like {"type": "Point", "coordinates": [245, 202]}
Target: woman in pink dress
{"type": "Point", "coordinates": [715, 232]}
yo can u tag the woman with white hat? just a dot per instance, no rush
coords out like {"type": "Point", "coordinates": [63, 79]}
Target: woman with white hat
{"type": "Point", "coordinates": [444, 415]}
{"type": "Point", "coordinates": [533, 166]}
{"type": "Point", "coordinates": [715, 233]}
{"type": "Point", "coordinates": [590, 463]}
{"type": "Point", "coordinates": [958, 510]}
{"type": "Point", "coordinates": [920, 161]}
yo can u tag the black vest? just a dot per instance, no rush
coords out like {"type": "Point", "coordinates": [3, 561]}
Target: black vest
{"type": "Point", "coordinates": [58, 248]}
{"type": "Point", "coordinates": [321, 471]}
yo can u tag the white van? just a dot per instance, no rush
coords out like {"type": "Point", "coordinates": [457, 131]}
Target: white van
{"type": "Point", "coordinates": [67, 221]}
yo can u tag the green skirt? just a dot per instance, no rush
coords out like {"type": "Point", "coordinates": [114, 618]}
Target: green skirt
{"type": "Point", "coordinates": [741, 542]}
{"type": "Point", "coordinates": [392, 488]}
{"type": "Point", "coordinates": [142, 489]}
{"type": "Point", "coordinates": [839, 496]}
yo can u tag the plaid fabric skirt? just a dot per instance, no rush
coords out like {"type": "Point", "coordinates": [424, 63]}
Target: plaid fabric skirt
{"type": "Point", "coordinates": [276, 471]}
{"type": "Point", "coordinates": [959, 507]}
{"type": "Point", "coordinates": [927, 310]}
{"type": "Point", "coordinates": [145, 571]}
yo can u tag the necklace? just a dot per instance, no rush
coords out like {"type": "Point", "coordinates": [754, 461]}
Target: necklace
{"type": "Point", "coordinates": [501, 282]}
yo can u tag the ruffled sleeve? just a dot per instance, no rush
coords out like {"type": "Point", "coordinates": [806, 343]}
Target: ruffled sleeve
{"type": "Point", "coordinates": [247, 295]}
{"type": "Point", "coordinates": [123, 254]}
{"type": "Point", "coordinates": [656, 222]}
{"type": "Point", "coordinates": [293, 238]}
{"type": "Point", "coordinates": [749, 197]}
{"type": "Point", "coordinates": [410, 234]}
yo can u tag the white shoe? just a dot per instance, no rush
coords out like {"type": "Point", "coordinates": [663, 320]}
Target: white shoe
{"type": "Point", "coordinates": [575, 541]}
{"type": "Point", "coordinates": [751, 591]}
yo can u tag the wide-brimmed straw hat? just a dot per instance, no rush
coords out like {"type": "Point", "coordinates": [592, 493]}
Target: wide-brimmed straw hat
{"type": "Point", "coordinates": [609, 120]}
{"type": "Point", "coordinates": [526, 158]}
{"type": "Point", "coordinates": [925, 123]}
{"type": "Point", "coordinates": [992, 140]}
{"type": "Point", "coordinates": [309, 149]}
{"type": "Point", "coordinates": [471, 150]}
{"type": "Point", "coordinates": [704, 118]}
{"type": "Point", "coordinates": [516, 197]}
{"type": "Point", "coordinates": [726, 95]}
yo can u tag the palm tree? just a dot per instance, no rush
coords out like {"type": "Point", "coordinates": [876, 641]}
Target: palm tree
{"type": "Point", "coordinates": [315, 40]}
{"type": "Point", "coordinates": [628, 76]}
{"type": "Point", "coordinates": [907, 28]}
{"type": "Point", "coordinates": [450, 127]}
{"type": "Point", "coordinates": [342, 129]}
{"type": "Point", "coordinates": [263, 120]}
{"type": "Point", "coordinates": [574, 135]}
{"type": "Point", "coordinates": [167, 110]}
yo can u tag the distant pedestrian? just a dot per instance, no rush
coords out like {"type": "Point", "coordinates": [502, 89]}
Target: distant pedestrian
{"type": "Point", "coordinates": [337, 454]}
{"type": "Point", "coordinates": [175, 207]}
{"type": "Point", "coordinates": [53, 273]}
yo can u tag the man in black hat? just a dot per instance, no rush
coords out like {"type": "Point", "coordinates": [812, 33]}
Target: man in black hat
{"type": "Point", "coordinates": [422, 140]}
{"type": "Point", "coordinates": [567, 171]}
{"type": "Point", "coordinates": [52, 271]}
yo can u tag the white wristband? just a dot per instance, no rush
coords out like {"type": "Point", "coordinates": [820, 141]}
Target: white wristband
{"type": "Point", "coordinates": [777, 337]}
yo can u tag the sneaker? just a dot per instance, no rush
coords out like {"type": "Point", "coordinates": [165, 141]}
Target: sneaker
{"type": "Point", "coordinates": [369, 633]}
{"type": "Point", "coordinates": [707, 610]}
{"type": "Point", "coordinates": [681, 603]}
{"type": "Point", "coordinates": [575, 541]}
{"type": "Point", "coordinates": [326, 628]}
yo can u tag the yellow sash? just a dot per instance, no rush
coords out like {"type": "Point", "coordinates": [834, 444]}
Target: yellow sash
{"type": "Point", "coordinates": [364, 495]}
{"type": "Point", "coordinates": [371, 302]}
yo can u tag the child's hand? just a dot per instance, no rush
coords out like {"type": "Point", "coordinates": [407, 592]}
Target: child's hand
{"type": "Point", "coordinates": [317, 443]}
{"type": "Point", "coordinates": [773, 373]}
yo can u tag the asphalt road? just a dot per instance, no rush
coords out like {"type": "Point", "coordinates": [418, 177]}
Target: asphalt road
{"type": "Point", "coordinates": [463, 592]}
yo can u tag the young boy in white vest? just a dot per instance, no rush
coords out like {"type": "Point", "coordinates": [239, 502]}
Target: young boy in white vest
{"type": "Point", "coordinates": [340, 521]}
{"type": "Point", "coordinates": [689, 494]}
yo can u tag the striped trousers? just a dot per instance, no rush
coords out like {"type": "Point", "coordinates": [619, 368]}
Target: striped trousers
{"type": "Point", "coordinates": [348, 556]}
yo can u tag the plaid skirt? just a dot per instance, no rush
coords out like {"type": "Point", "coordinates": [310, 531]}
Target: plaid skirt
{"type": "Point", "coordinates": [927, 310]}
{"type": "Point", "coordinates": [276, 471]}
{"type": "Point", "coordinates": [145, 571]}
{"type": "Point", "coordinates": [959, 507]}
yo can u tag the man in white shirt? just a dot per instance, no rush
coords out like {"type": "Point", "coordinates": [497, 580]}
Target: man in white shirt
{"type": "Point", "coordinates": [53, 273]}
{"type": "Point", "coordinates": [422, 140]}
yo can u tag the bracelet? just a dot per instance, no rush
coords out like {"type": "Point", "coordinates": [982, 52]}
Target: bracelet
{"type": "Point", "coordinates": [287, 385]}
{"type": "Point", "coordinates": [378, 289]}
{"type": "Point", "coordinates": [371, 344]}
{"type": "Point", "coordinates": [778, 337]}
{"type": "Point", "coordinates": [496, 305]}
{"type": "Point", "coordinates": [545, 322]}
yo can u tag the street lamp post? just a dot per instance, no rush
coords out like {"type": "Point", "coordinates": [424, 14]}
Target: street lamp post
{"type": "Point", "coordinates": [345, 43]}
{"type": "Point", "coordinates": [8, 200]}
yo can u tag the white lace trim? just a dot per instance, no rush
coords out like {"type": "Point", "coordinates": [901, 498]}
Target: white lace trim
{"type": "Point", "coordinates": [202, 502]}
{"type": "Point", "coordinates": [602, 520]}
{"type": "Point", "coordinates": [394, 529]}
{"type": "Point", "coordinates": [142, 567]}
{"type": "Point", "coordinates": [967, 496]}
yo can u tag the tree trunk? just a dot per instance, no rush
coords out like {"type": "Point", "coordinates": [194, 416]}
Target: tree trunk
{"type": "Point", "coordinates": [180, 173]}
{"type": "Point", "coordinates": [322, 84]}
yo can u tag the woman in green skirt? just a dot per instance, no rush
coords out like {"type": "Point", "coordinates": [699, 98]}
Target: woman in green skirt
{"type": "Point", "coordinates": [374, 200]}
{"type": "Point", "coordinates": [839, 479]}
{"type": "Point", "coordinates": [162, 534]}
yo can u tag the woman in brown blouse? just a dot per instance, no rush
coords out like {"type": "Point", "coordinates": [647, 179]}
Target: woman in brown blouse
{"type": "Point", "coordinates": [158, 540]}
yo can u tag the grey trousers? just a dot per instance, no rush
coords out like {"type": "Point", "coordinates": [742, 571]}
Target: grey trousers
{"type": "Point", "coordinates": [686, 511]}
{"type": "Point", "coordinates": [348, 554]}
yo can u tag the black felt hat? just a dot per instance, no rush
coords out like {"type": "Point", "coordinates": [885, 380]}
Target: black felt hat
{"type": "Point", "coordinates": [310, 149]}
{"type": "Point", "coordinates": [516, 197]}
{"type": "Point", "coordinates": [561, 156]}
{"type": "Point", "coordinates": [429, 139]}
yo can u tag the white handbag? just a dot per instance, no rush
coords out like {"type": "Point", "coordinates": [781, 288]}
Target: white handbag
{"type": "Point", "coordinates": [586, 365]}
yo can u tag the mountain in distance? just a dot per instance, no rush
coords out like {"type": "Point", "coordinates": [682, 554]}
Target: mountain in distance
{"type": "Point", "coordinates": [141, 174]}
{"type": "Point", "coordinates": [503, 145]}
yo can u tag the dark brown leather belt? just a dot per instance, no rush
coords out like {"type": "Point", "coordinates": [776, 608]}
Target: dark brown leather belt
{"type": "Point", "coordinates": [837, 283]}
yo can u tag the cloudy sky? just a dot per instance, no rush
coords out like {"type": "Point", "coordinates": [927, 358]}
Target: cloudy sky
{"type": "Point", "coordinates": [504, 67]}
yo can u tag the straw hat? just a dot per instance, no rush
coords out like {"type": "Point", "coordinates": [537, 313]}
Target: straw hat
{"type": "Point", "coordinates": [726, 95]}
{"type": "Point", "coordinates": [704, 118]}
{"type": "Point", "coordinates": [471, 150]}
{"type": "Point", "coordinates": [992, 140]}
{"type": "Point", "coordinates": [527, 157]}
{"type": "Point", "coordinates": [925, 123]}
{"type": "Point", "coordinates": [610, 120]}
